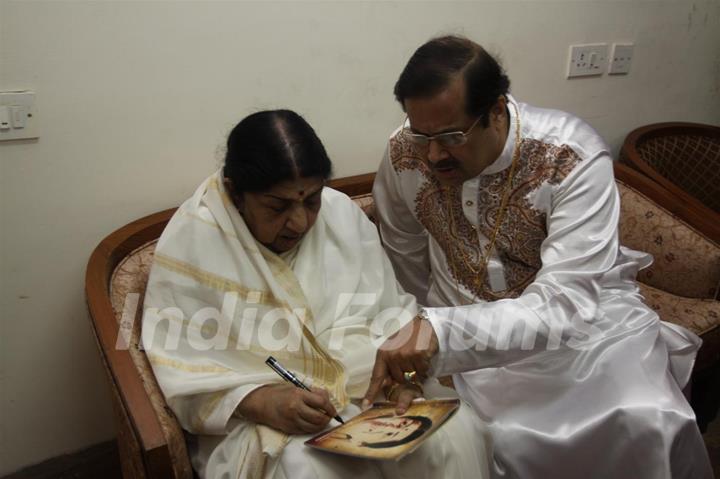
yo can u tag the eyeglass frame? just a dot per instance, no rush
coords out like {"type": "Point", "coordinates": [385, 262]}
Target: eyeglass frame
{"type": "Point", "coordinates": [426, 139]}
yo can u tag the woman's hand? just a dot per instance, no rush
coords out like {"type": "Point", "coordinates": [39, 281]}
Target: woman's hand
{"type": "Point", "coordinates": [288, 408]}
{"type": "Point", "coordinates": [404, 394]}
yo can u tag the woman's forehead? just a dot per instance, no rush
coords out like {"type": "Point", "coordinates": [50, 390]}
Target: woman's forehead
{"type": "Point", "coordinates": [296, 188]}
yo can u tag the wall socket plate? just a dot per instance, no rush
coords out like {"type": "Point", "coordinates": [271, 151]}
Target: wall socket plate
{"type": "Point", "coordinates": [588, 59]}
{"type": "Point", "coordinates": [621, 58]}
{"type": "Point", "coordinates": [21, 115]}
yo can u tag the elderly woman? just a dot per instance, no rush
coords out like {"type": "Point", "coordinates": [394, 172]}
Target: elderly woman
{"type": "Point", "coordinates": [264, 260]}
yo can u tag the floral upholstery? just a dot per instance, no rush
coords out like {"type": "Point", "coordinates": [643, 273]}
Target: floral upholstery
{"type": "Point", "coordinates": [685, 274]}
{"type": "Point", "coordinates": [686, 262]}
{"type": "Point", "coordinates": [698, 315]}
{"type": "Point", "coordinates": [128, 282]}
{"type": "Point", "coordinates": [131, 276]}
{"type": "Point", "coordinates": [701, 316]}
{"type": "Point", "coordinates": [366, 203]}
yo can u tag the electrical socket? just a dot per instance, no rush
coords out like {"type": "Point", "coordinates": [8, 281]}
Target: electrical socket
{"type": "Point", "coordinates": [621, 58]}
{"type": "Point", "coordinates": [588, 59]}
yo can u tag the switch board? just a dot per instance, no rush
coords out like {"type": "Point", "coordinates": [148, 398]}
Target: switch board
{"type": "Point", "coordinates": [587, 60]}
{"type": "Point", "coordinates": [21, 115]}
{"type": "Point", "coordinates": [621, 58]}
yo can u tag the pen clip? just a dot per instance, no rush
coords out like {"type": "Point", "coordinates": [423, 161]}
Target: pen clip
{"type": "Point", "coordinates": [284, 373]}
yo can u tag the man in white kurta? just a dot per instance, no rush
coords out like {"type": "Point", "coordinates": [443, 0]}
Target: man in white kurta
{"type": "Point", "coordinates": [218, 303]}
{"type": "Point", "coordinates": [552, 345]}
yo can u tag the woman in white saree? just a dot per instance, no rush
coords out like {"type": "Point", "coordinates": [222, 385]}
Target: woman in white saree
{"type": "Point", "coordinates": [252, 266]}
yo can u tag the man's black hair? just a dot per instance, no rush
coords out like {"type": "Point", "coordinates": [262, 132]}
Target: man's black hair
{"type": "Point", "coordinates": [438, 62]}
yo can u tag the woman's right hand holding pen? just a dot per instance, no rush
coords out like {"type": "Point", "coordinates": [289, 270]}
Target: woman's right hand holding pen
{"type": "Point", "coordinates": [289, 409]}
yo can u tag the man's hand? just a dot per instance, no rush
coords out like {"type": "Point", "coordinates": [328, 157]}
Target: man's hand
{"type": "Point", "coordinates": [288, 408]}
{"type": "Point", "coordinates": [403, 395]}
{"type": "Point", "coordinates": [410, 349]}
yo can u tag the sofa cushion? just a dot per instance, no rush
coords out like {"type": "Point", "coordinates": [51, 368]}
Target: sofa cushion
{"type": "Point", "coordinates": [367, 204]}
{"type": "Point", "coordinates": [700, 316]}
{"type": "Point", "coordinates": [686, 263]}
{"type": "Point", "coordinates": [127, 284]}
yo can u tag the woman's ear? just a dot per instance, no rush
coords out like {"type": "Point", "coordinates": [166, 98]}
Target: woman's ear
{"type": "Point", "coordinates": [234, 197]}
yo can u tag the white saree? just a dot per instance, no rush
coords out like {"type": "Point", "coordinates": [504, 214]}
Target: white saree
{"type": "Point", "coordinates": [554, 348]}
{"type": "Point", "coordinates": [218, 304]}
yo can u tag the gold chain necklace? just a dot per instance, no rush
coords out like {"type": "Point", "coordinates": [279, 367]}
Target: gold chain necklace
{"type": "Point", "coordinates": [480, 273]}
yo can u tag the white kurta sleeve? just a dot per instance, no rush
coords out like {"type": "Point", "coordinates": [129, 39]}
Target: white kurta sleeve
{"type": "Point", "coordinates": [376, 310]}
{"type": "Point", "coordinates": [404, 237]}
{"type": "Point", "coordinates": [561, 307]}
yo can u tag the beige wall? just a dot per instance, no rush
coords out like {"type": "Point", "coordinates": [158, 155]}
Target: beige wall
{"type": "Point", "coordinates": [135, 98]}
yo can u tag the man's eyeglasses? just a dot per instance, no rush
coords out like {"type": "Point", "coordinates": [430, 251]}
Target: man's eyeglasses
{"type": "Point", "coordinates": [448, 140]}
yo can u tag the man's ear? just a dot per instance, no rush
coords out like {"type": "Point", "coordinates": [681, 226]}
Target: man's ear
{"type": "Point", "coordinates": [498, 114]}
{"type": "Point", "coordinates": [499, 108]}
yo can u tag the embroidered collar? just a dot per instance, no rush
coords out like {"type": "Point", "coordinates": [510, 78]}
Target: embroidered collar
{"type": "Point", "coordinates": [505, 158]}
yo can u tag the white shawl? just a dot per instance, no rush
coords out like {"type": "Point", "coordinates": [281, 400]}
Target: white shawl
{"type": "Point", "coordinates": [218, 303]}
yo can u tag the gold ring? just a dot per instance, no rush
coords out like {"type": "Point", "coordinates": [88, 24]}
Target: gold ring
{"type": "Point", "coordinates": [411, 379]}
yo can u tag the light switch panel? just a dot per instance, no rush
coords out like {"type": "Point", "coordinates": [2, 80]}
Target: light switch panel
{"type": "Point", "coordinates": [20, 115]}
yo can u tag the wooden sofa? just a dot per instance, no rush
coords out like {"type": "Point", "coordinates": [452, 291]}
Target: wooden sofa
{"type": "Point", "coordinates": [151, 443]}
{"type": "Point", "coordinates": [684, 159]}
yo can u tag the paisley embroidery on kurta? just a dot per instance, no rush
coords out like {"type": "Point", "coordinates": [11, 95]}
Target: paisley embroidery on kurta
{"type": "Point", "coordinates": [524, 227]}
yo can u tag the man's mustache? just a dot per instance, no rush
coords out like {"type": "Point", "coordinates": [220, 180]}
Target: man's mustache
{"type": "Point", "coordinates": [444, 164]}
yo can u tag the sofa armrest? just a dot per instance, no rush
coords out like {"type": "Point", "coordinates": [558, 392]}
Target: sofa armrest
{"type": "Point", "coordinates": [687, 261]}
{"type": "Point", "coordinates": [126, 384]}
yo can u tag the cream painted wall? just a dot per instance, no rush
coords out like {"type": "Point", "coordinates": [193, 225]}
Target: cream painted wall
{"type": "Point", "coordinates": [135, 99]}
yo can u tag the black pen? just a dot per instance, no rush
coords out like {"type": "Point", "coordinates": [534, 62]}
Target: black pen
{"type": "Point", "coordinates": [291, 378]}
